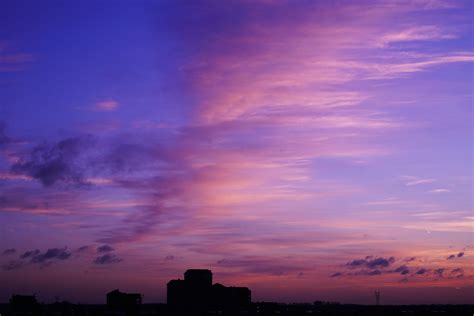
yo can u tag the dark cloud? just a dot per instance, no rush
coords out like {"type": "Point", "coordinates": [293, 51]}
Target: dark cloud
{"type": "Point", "coordinates": [12, 265]}
{"type": "Point", "coordinates": [107, 259]}
{"type": "Point", "coordinates": [57, 163]}
{"type": "Point", "coordinates": [9, 251]}
{"type": "Point", "coordinates": [170, 258]}
{"type": "Point", "coordinates": [374, 272]}
{"type": "Point", "coordinates": [105, 248]}
{"type": "Point", "coordinates": [439, 272]}
{"type": "Point", "coordinates": [454, 256]}
{"type": "Point", "coordinates": [371, 263]}
{"type": "Point", "coordinates": [421, 271]}
{"type": "Point", "coordinates": [380, 262]}
{"type": "Point", "coordinates": [357, 263]}
{"type": "Point", "coordinates": [370, 266]}
{"type": "Point", "coordinates": [30, 253]}
{"type": "Point", "coordinates": [457, 273]}
{"type": "Point", "coordinates": [83, 248]}
{"type": "Point", "coordinates": [402, 270]}
{"type": "Point", "coordinates": [75, 160]}
{"type": "Point", "coordinates": [50, 254]}
{"type": "Point", "coordinates": [337, 274]}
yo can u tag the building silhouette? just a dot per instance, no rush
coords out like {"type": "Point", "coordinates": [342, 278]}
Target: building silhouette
{"type": "Point", "coordinates": [196, 292]}
{"type": "Point", "coordinates": [24, 305]}
{"type": "Point", "coordinates": [124, 301]}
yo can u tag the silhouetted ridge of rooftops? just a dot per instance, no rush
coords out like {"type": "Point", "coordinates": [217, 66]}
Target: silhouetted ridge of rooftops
{"type": "Point", "coordinates": [197, 292]}
{"type": "Point", "coordinates": [120, 300]}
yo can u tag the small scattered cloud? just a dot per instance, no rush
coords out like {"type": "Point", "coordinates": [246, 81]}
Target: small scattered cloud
{"type": "Point", "coordinates": [107, 259]}
{"type": "Point", "coordinates": [12, 265]}
{"type": "Point", "coordinates": [369, 266]}
{"type": "Point", "coordinates": [454, 256]}
{"type": "Point", "coordinates": [387, 201]}
{"type": "Point", "coordinates": [438, 191]}
{"type": "Point", "coordinates": [105, 248]}
{"type": "Point", "coordinates": [30, 253]}
{"type": "Point", "coordinates": [170, 258]}
{"type": "Point", "coordinates": [412, 180]}
{"type": "Point", "coordinates": [37, 257]}
{"type": "Point", "coordinates": [50, 254]}
{"type": "Point", "coordinates": [9, 251]}
{"type": "Point", "coordinates": [83, 248]}
{"type": "Point", "coordinates": [106, 106]}
{"type": "Point", "coordinates": [457, 273]}
{"type": "Point", "coordinates": [374, 272]}
{"type": "Point", "coordinates": [421, 271]}
{"type": "Point", "coordinates": [402, 270]}
{"type": "Point", "coordinates": [371, 263]}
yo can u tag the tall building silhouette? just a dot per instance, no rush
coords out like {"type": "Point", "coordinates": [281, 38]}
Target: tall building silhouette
{"type": "Point", "coordinates": [196, 292]}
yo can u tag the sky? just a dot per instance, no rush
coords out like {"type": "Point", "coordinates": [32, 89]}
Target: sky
{"type": "Point", "coordinates": [310, 150]}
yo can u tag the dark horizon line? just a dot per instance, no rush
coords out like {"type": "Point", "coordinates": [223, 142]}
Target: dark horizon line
{"type": "Point", "coordinates": [322, 303]}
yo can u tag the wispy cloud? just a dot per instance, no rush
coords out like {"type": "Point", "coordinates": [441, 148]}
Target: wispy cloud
{"type": "Point", "coordinates": [416, 33]}
{"type": "Point", "coordinates": [412, 180]}
{"type": "Point", "coordinates": [106, 106]}
{"type": "Point", "coordinates": [437, 191]}
{"type": "Point", "coordinates": [12, 60]}
{"type": "Point", "coordinates": [8, 251]}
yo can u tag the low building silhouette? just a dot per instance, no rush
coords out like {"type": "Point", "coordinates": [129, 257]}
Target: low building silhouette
{"type": "Point", "coordinates": [24, 305]}
{"type": "Point", "coordinates": [196, 292]}
{"type": "Point", "coordinates": [120, 300]}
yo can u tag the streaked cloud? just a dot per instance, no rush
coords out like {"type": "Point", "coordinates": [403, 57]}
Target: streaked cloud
{"type": "Point", "coordinates": [412, 180]}
{"type": "Point", "coordinates": [416, 33]}
{"type": "Point", "coordinates": [106, 106]}
{"type": "Point", "coordinates": [436, 191]}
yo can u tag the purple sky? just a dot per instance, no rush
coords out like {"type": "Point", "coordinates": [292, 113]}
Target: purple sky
{"type": "Point", "coordinates": [310, 150]}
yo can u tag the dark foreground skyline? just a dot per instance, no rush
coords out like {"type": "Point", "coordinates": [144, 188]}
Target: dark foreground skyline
{"type": "Point", "coordinates": [197, 295]}
{"type": "Point", "coordinates": [307, 150]}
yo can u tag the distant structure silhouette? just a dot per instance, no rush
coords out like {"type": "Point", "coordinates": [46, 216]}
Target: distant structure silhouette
{"type": "Point", "coordinates": [123, 301]}
{"type": "Point", "coordinates": [196, 292]}
{"type": "Point", "coordinates": [377, 298]}
{"type": "Point", "coordinates": [24, 305]}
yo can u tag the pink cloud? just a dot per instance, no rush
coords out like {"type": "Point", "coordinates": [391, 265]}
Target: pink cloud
{"type": "Point", "coordinates": [106, 106]}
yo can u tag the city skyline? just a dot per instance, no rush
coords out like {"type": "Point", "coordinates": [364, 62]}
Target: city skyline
{"type": "Point", "coordinates": [307, 150]}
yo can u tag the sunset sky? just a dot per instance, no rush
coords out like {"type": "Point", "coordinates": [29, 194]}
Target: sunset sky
{"type": "Point", "coordinates": [310, 150]}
